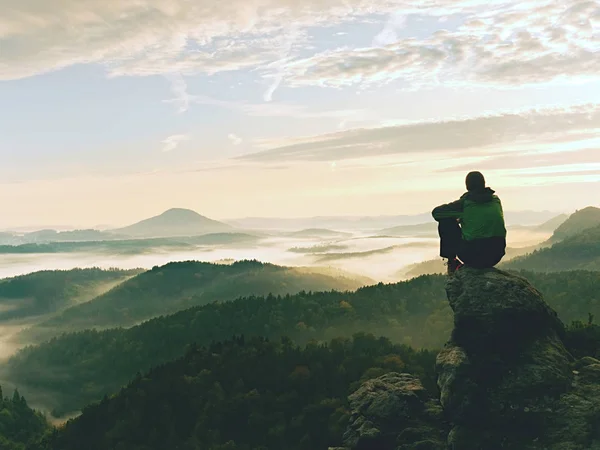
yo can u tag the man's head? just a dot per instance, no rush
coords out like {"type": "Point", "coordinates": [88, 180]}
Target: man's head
{"type": "Point", "coordinates": [475, 181]}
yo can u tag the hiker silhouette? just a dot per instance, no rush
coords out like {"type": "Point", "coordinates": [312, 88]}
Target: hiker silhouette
{"type": "Point", "coordinates": [472, 229]}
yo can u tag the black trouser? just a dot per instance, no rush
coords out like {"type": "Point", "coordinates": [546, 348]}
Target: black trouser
{"type": "Point", "coordinates": [479, 253]}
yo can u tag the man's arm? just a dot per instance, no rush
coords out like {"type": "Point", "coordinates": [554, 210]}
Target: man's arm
{"type": "Point", "coordinates": [448, 211]}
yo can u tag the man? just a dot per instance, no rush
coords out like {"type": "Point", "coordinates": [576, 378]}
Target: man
{"type": "Point", "coordinates": [472, 228]}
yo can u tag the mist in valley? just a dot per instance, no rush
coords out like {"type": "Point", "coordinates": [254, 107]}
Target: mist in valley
{"type": "Point", "coordinates": [371, 256]}
{"type": "Point", "coordinates": [377, 257]}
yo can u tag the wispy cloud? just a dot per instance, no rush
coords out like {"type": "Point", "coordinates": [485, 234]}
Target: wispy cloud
{"type": "Point", "coordinates": [501, 42]}
{"type": "Point", "coordinates": [235, 140]}
{"type": "Point", "coordinates": [147, 37]}
{"type": "Point", "coordinates": [514, 44]}
{"type": "Point", "coordinates": [474, 135]}
{"type": "Point", "coordinates": [277, 79]}
{"type": "Point", "coordinates": [278, 109]}
{"type": "Point", "coordinates": [179, 90]}
{"type": "Point", "coordinates": [388, 35]}
{"type": "Point", "coordinates": [172, 142]}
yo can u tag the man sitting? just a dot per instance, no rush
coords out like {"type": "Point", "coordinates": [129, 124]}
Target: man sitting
{"type": "Point", "coordinates": [472, 227]}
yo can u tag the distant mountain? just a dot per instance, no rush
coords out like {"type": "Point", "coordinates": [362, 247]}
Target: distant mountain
{"type": "Point", "coordinates": [513, 218]}
{"type": "Point", "coordinates": [174, 222]}
{"type": "Point", "coordinates": [580, 251]}
{"type": "Point", "coordinates": [132, 246]}
{"type": "Point", "coordinates": [329, 222]}
{"type": "Point", "coordinates": [577, 222]}
{"type": "Point", "coordinates": [373, 223]}
{"type": "Point", "coordinates": [551, 225]}
{"type": "Point", "coordinates": [180, 285]}
{"type": "Point", "coordinates": [49, 236]}
{"type": "Point", "coordinates": [318, 233]}
{"type": "Point", "coordinates": [7, 238]}
{"type": "Point", "coordinates": [421, 229]}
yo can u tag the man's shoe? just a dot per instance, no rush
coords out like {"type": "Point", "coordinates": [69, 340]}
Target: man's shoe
{"type": "Point", "coordinates": [453, 265]}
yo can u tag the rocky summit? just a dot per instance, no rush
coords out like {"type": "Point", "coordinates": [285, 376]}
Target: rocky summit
{"type": "Point", "coordinates": [505, 378]}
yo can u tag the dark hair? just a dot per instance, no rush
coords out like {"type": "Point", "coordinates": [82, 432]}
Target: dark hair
{"type": "Point", "coordinates": [475, 181]}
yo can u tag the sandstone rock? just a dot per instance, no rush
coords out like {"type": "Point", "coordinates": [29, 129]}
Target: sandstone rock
{"type": "Point", "coordinates": [506, 379]}
{"type": "Point", "coordinates": [394, 412]}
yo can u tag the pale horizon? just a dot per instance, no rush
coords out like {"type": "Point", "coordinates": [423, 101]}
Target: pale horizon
{"type": "Point", "coordinates": [115, 111]}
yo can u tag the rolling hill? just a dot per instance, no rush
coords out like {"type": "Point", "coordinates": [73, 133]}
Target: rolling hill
{"type": "Point", "coordinates": [242, 394]}
{"type": "Point", "coordinates": [576, 223]}
{"type": "Point", "coordinates": [69, 371]}
{"type": "Point", "coordinates": [7, 238]}
{"type": "Point", "coordinates": [180, 285]}
{"type": "Point", "coordinates": [74, 369]}
{"type": "Point", "coordinates": [579, 251]}
{"type": "Point", "coordinates": [174, 222]}
{"type": "Point", "coordinates": [133, 245]}
{"type": "Point", "coordinates": [47, 292]}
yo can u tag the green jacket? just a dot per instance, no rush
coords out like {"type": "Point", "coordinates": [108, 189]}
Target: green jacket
{"type": "Point", "coordinates": [480, 214]}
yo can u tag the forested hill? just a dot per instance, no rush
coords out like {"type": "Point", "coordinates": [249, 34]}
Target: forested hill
{"type": "Point", "coordinates": [50, 291]}
{"type": "Point", "coordinates": [20, 426]}
{"type": "Point", "coordinates": [242, 394]}
{"type": "Point", "coordinates": [179, 285]}
{"type": "Point", "coordinates": [245, 394]}
{"type": "Point", "coordinates": [578, 252]}
{"type": "Point", "coordinates": [579, 221]}
{"type": "Point", "coordinates": [79, 368]}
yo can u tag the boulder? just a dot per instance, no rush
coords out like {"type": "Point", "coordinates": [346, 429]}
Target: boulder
{"type": "Point", "coordinates": [394, 412]}
{"type": "Point", "coordinates": [506, 379]}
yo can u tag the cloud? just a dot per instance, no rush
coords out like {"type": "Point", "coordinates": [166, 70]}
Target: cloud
{"type": "Point", "coordinates": [283, 109]}
{"type": "Point", "coordinates": [172, 142]}
{"type": "Point", "coordinates": [144, 37]}
{"type": "Point", "coordinates": [179, 89]}
{"type": "Point", "coordinates": [539, 160]}
{"type": "Point", "coordinates": [513, 44]}
{"type": "Point", "coordinates": [277, 79]}
{"type": "Point", "coordinates": [276, 69]}
{"type": "Point", "coordinates": [235, 140]}
{"type": "Point", "coordinates": [389, 33]}
{"type": "Point", "coordinates": [474, 135]}
{"type": "Point", "coordinates": [503, 42]}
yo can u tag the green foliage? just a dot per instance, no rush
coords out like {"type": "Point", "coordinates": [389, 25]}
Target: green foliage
{"type": "Point", "coordinates": [51, 290]}
{"type": "Point", "coordinates": [583, 338]}
{"type": "Point", "coordinates": [179, 285]}
{"type": "Point", "coordinates": [242, 394]}
{"type": "Point", "coordinates": [82, 367]}
{"type": "Point", "coordinates": [578, 252]}
{"type": "Point", "coordinates": [20, 426]}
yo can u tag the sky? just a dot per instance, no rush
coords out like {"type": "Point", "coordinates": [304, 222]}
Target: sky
{"type": "Point", "coordinates": [115, 110]}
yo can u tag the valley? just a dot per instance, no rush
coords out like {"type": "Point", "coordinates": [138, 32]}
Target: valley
{"type": "Point", "coordinates": [75, 337]}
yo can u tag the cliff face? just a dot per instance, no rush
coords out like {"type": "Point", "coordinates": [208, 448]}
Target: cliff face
{"type": "Point", "coordinates": [506, 379]}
